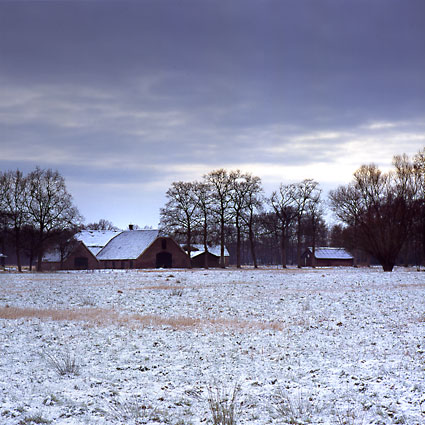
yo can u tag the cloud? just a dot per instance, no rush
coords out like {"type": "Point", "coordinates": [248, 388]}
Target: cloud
{"type": "Point", "coordinates": [128, 95]}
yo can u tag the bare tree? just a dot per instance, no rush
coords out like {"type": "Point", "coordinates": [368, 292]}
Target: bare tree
{"type": "Point", "coordinates": [305, 192]}
{"type": "Point", "coordinates": [221, 188]}
{"type": "Point", "coordinates": [202, 192]}
{"type": "Point", "coordinates": [254, 203]}
{"type": "Point", "coordinates": [13, 204]}
{"type": "Point", "coordinates": [283, 205]}
{"type": "Point", "coordinates": [314, 214]}
{"type": "Point", "coordinates": [245, 189]}
{"type": "Point", "coordinates": [179, 214]}
{"type": "Point", "coordinates": [380, 207]}
{"type": "Point", "coordinates": [419, 175]}
{"type": "Point", "coordinates": [102, 224]}
{"type": "Point", "coordinates": [50, 206]}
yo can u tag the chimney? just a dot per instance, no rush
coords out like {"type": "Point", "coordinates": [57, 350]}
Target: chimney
{"type": "Point", "coordinates": [130, 227]}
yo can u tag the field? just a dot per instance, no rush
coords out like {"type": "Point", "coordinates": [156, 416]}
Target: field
{"type": "Point", "coordinates": [324, 346]}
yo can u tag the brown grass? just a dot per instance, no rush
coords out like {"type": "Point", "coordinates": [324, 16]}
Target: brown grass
{"type": "Point", "coordinates": [159, 287]}
{"type": "Point", "coordinates": [102, 317]}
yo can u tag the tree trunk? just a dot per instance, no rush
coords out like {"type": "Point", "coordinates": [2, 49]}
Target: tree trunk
{"type": "Point", "coordinates": [18, 249]}
{"type": "Point", "coordinates": [252, 246]}
{"type": "Point", "coordinates": [238, 244]}
{"type": "Point", "coordinates": [299, 265]}
{"type": "Point", "coordinates": [283, 247]}
{"type": "Point", "coordinates": [205, 245]}
{"type": "Point", "coordinates": [222, 260]}
{"type": "Point", "coordinates": [40, 250]}
{"type": "Point", "coordinates": [188, 243]}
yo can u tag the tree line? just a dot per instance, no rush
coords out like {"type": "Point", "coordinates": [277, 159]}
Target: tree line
{"type": "Point", "coordinates": [381, 215]}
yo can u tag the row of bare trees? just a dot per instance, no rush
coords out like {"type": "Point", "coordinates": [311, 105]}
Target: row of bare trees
{"type": "Point", "coordinates": [381, 215]}
{"type": "Point", "coordinates": [36, 209]}
{"type": "Point", "coordinates": [206, 211]}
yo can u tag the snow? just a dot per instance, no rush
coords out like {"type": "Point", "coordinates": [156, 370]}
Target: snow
{"type": "Point", "coordinates": [128, 245]}
{"type": "Point", "coordinates": [95, 240]}
{"type": "Point", "coordinates": [214, 250]}
{"type": "Point", "coordinates": [320, 346]}
{"type": "Point", "coordinates": [331, 253]}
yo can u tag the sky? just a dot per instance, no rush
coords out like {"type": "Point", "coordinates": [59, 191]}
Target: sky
{"type": "Point", "coordinates": [125, 97]}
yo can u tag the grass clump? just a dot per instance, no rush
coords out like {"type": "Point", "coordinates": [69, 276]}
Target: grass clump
{"type": "Point", "coordinates": [296, 410]}
{"type": "Point", "coordinates": [37, 419]}
{"type": "Point", "coordinates": [223, 404]}
{"type": "Point", "coordinates": [64, 364]}
{"type": "Point", "coordinates": [131, 410]}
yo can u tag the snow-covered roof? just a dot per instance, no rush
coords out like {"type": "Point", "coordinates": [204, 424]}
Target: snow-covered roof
{"type": "Point", "coordinates": [52, 256]}
{"type": "Point", "coordinates": [330, 253]}
{"type": "Point", "coordinates": [128, 245]}
{"type": "Point", "coordinates": [214, 250]}
{"type": "Point", "coordinates": [95, 240]}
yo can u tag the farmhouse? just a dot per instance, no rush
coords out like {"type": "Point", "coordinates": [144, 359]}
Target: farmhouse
{"type": "Point", "coordinates": [142, 249]}
{"type": "Point", "coordinates": [132, 249]}
{"type": "Point", "coordinates": [197, 255]}
{"type": "Point", "coordinates": [327, 257]}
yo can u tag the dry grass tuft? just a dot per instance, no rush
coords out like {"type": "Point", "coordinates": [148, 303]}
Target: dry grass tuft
{"type": "Point", "coordinates": [159, 287]}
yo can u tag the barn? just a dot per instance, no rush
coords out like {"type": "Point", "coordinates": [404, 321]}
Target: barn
{"type": "Point", "coordinates": [78, 257]}
{"type": "Point", "coordinates": [197, 255]}
{"type": "Point", "coordinates": [131, 249]}
{"type": "Point", "coordinates": [327, 257]}
{"type": "Point", "coordinates": [140, 249]}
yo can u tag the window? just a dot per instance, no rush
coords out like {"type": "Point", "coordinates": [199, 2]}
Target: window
{"type": "Point", "coordinates": [164, 243]}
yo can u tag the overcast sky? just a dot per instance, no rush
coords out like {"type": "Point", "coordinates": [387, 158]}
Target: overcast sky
{"type": "Point", "coordinates": [125, 97]}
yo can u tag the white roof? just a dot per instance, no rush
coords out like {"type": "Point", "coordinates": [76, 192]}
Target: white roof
{"type": "Point", "coordinates": [128, 245]}
{"type": "Point", "coordinates": [214, 250]}
{"type": "Point", "coordinates": [331, 253]}
{"type": "Point", "coordinates": [96, 238]}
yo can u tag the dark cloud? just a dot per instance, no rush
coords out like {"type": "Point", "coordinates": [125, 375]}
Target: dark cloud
{"type": "Point", "coordinates": [143, 93]}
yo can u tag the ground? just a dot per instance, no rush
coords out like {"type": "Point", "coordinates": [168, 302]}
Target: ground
{"type": "Point", "coordinates": [320, 346]}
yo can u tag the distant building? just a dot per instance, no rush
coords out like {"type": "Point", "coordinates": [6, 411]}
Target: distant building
{"type": "Point", "coordinates": [197, 255]}
{"type": "Point", "coordinates": [327, 257]}
{"type": "Point", "coordinates": [131, 249]}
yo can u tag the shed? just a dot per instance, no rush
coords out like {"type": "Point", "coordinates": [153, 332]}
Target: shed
{"type": "Point", "coordinates": [327, 257]}
{"type": "Point", "coordinates": [197, 255]}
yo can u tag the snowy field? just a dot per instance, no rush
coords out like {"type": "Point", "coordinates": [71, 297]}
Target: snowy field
{"type": "Point", "coordinates": [324, 346]}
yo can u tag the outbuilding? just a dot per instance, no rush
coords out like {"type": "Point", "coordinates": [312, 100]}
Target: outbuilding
{"type": "Point", "coordinates": [197, 255]}
{"type": "Point", "coordinates": [327, 257]}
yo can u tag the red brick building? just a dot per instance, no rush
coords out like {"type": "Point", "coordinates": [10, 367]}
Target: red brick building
{"type": "Point", "coordinates": [132, 249]}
